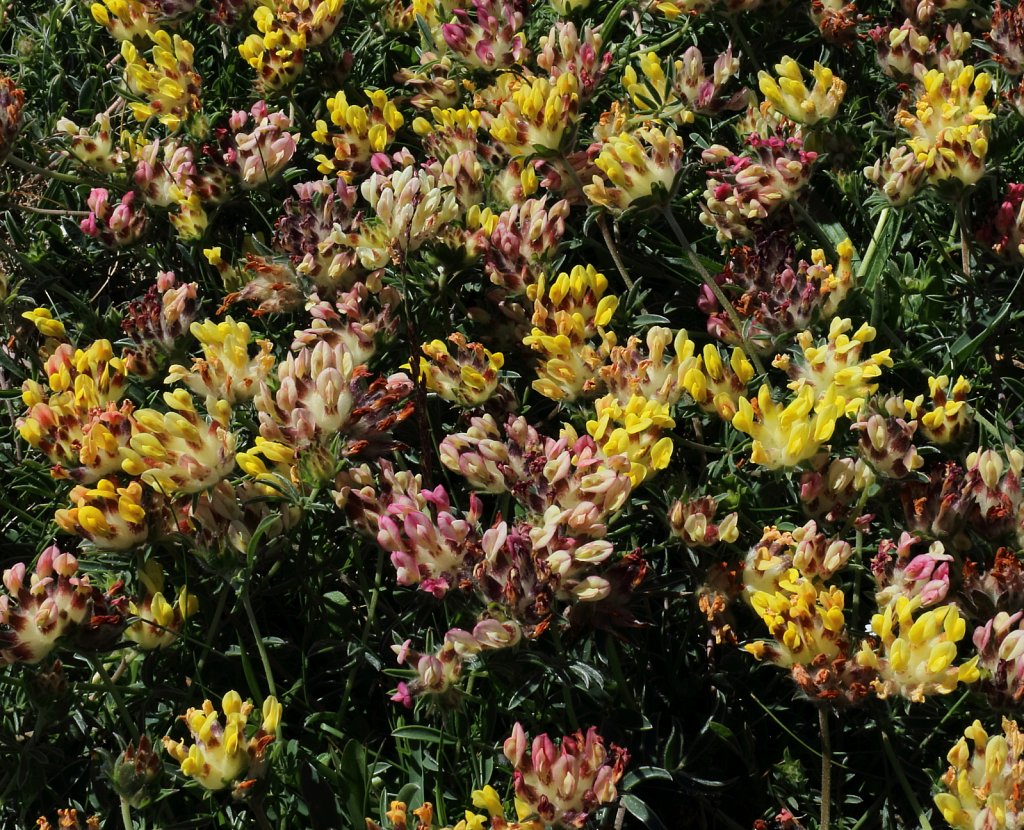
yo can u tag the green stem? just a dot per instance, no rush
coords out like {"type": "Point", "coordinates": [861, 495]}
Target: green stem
{"type": "Point", "coordinates": [744, 44]}
{"type": "Point", "coordinates": [826, 770]}
{"type": "Point", "coordinates": [869, 254]}
{"type": "Point", "coordinates": [28, 167]}
{"type": "Point", "coordinates": [48, 211]}
{"type": "Point", "coordinates": [126, 814]}
{"type": "Point", "coordinates": [922, 819]}
{"type": "Point", "coordinates": [115, 693]}
{"type": "Point", "coordinates": [613, 249]}
{"type": "Point", "coordinates": [214, 626]}
{"type": "Point", "coordinates": [371, 616]}
{"type": "Point", "coordinates": [965, 246]}
{"type": "Point", "coordinates": [260, 645]}
{"type": "Point", "coordinates": [716, 289]}
{"type": "Point", "coordinates": [868, 261]}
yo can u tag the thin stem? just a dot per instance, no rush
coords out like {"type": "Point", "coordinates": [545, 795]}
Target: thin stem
{"type": "Point", "coordinates": [602, 223]}
{"type": "Point", "coordinates": [115, 693]}
{"type": "Point", "coordinates": [744, 44]}
{"type": "Point", "coordinates": [965, 247]}
{"type": "Point", "coordinates": [420, 390]}
{"type": "Point", "coordinates": [869, 254]}
{"type": "Point", "coordinates": [214, 626]}
{"type": "Point", "coordinates": [48, 211]}
{"type": "Point", "coordinates": [371, 616]}
{"type": "Point", "coordinates": [260, 645]}
{"type": "Point", "coordinates": [613, 249]}
{"type": "Point", "coordinates": [260, 814]}
{"type": "Point", "coordinates": [868, 261]}
{"type": "Point", "coordinates": [126, 814]}
{"type": "Point", "coordinates": [922, 819]}
{"type": "Point", "coordinates": [716, 289]}
{"type": "Point", "coordinates": [28, 167]}
{"type": "Point", "coordinates": [826, 770]}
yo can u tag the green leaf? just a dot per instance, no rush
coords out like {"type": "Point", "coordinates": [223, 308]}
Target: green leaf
{"type": "Point", "coordinates": [638, 807]}
{"type": "Point", "coordinates": [418, 733]}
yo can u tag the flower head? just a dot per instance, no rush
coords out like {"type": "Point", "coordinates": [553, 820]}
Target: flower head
{"type": "Point", "coordinates": [949, 125]}
{"type": "Point", "coordinates": [179, 451]}
{"type": "Point", "coordinates": [226, 371]}
{"type": "Point", "coordinates": [110, 517]}
{"type": "Point", "coordinates": [982, 787]}
{"type": "Point", "coordinates": [222, 754]}
{"type": "Point", "coordinates": [787, 434]}
{"type": "Point", "coordinates": [466, 378]}
{"type": "Point", "coordinates": [361, 132]}
{"type": "Point", "coordinates": [790, 96]}
{"type": "Point", "coordinates": [636, 166]}
{"type": "Point", "coordinates": [169, 85]}
{"type": "Point", "coordinates": [537, 114]}
{"type": "Point", "coordinates": [568, 313]}
{"type": "Point", "coordinates": [746, 189]}
{"type": "Point", "coordinates": [915, 655]}
{"type": "Point", "coordinates": [836, 365]}
{"type": "Point", "coordinates": [53, 602]}
{"type": "Point", "coordinates": [565, 783]}
{"type": "Point", "coordinates": [158, 621]}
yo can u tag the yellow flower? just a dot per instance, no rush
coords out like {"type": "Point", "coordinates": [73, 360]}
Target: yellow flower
{"type": "Point", "coordinates": [634, 429]}
{"type": "Point", "coordinates": [158, 621]}
{"type": "Point", "coordinates": [221, 752]}
{"type": "Point", "coordinates": [179, 452]}
{"type": "Point", "coordinates": [43, 320]}
{"type": "Point", "coordinates": [951, 416]}
{"type": "Point", "coordinates": [362, 131]}
{"type": "Point", "coordinates": [637, 164]}
{"type": "Point", "coordinates": [110, 517]}
{"type": "Point", "coordinates": [790, 97]}
{"type": "Point", "coordinates": [836, 364]}
{"type": "Point", "coordinates": [169, 84]}
{"type": "Point", "coordinates": [949, 129]}
{"type": "Point", "coordinates": [226, 371]}
{"type": "Point", "coordinates": [916, 655]}
{"type": "Point", "coordinates": [567, 314]}
{"type": "Point", "coordinates": [467, 378]}
{"type": "Point", "coordinates": [715, 386]}
{"type": "Point", "coordinates": [124, 19]}
{"type": "Point", "coordinates": [785, 435]}
{"type": "Point", "coordinates": [537, 114]}
{"type": "Point", "coordinates": [805, 622]}
{"type": "Point", "coordinates": [984, 779]}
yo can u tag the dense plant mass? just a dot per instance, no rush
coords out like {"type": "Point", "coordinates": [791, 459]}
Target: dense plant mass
{"type": "Point", "coordinates": [511, 414]}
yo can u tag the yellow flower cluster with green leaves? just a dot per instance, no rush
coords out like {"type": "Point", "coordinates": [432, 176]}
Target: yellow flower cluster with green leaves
{"type": "Point", "coordinates": [789, 95]}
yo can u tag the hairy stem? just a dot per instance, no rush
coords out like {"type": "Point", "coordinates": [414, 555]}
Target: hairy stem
{"type": "Point", "coordinates": [97, 666]}
{"type": "Point", "coordinates": [826, 770]}
{"type": "Point", "coordinates": [126, 814]}
{"type": "Point", "coordinates": [613, 249]}
{"type": "Point", "coordinates": [901, 776]}
{"type": "Point", "coordinates": [716, 289]}
{"type": "Point", "coordinates": [260, 645]}
{"type": "Point", "coordinates": [29, 167]}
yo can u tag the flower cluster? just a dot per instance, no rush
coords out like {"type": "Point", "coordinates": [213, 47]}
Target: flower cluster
{"type": "Point", "coordinates": [983, 783]}
{"type": "Point", "coordinates": [747, 188]}
{"type": "Point", "coordinates": [467, 378]}
{"type": "Point", "coordinates": [221, 753]}
{"type": "Point", "coordinates": [564, 784]}
{"type": "Point", "coordinates": [789, 96]}
{"type": "Point", "coordinates": [568, 314]}
{"type": "Point", "coordinates": [949, 134]}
